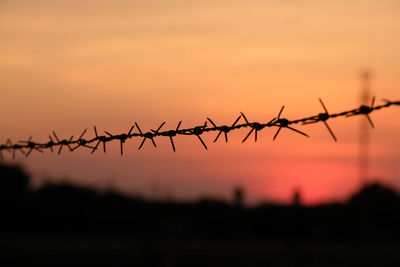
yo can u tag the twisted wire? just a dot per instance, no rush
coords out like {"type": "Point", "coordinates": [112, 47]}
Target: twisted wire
{"type": "Point", "coordinates": [28, 146]}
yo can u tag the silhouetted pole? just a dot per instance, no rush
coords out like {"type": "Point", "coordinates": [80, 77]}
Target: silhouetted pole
{"type": "Point", "coordinates": [364, 134]}
{"type": "Point", "coordinates": [238, 197]}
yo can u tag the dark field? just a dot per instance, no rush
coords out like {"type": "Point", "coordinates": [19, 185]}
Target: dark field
{"type": "Point", "coordinates": [64, 225]}
{"type": "Point", "coordinates": [50, 251]}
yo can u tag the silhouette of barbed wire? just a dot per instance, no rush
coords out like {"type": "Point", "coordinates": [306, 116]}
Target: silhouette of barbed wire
{"type": "Point", "coordinates": [28, 146]}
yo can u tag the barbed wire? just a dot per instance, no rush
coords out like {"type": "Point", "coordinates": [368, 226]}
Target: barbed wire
{"type": "Point", "coordinates": [278, 121]}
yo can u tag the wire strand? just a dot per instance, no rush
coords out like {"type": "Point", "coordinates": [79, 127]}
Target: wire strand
{"type": "Point", "coordinates": [28, 146]}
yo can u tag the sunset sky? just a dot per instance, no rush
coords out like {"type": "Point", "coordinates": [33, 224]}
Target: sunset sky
{"type": "Point", "coordinates": [70, 65]}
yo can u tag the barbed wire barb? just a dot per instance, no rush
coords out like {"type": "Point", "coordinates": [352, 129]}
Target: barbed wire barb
{"type": "Point", "coordinates": [93, 143]}
{"type": "Point", "coordinates": [284, 123]}
{"type": "Point", "coordinates": [323, 117]}
{"type": "Point", "coordinates": [172, 133]}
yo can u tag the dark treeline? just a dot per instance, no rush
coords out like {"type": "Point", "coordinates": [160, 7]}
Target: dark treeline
{"type": "Point", "coordinates": [65, 211]}
{"type": "Point", "coordinates": [371, 214]}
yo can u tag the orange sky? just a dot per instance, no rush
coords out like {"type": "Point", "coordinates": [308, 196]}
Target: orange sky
{"type": "Point", "coordinates": [69, 65]}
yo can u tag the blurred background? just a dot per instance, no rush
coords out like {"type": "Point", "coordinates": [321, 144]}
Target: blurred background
{"type": "Point", "coordinates": [70, 65]}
